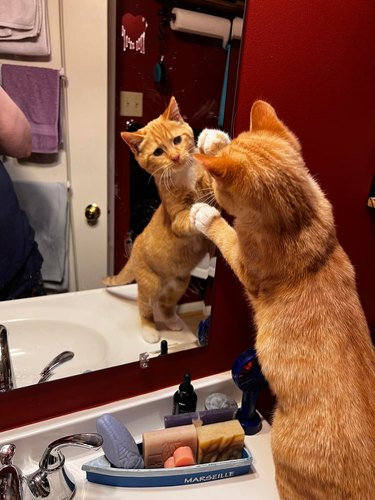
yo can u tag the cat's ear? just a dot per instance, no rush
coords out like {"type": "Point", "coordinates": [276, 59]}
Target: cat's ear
{"type": "Point", "coordinates": [215, 165]}
{"type": "Point", "coordinates": [133, 140]}
{"type": "Point", "coordinates": [264, 117]}
{"type": "Point", "coordinates": [172, 112]}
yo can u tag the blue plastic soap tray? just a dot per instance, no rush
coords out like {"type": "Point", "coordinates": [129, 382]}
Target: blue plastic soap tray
{"type": "Point", "coordinates": [101, 471]}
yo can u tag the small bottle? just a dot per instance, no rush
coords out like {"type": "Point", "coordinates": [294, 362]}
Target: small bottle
{"type": "Point", "coordinates": [185, 399]}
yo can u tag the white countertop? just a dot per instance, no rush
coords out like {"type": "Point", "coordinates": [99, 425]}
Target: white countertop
{"type": "Point", "coordinates": [140, 414]}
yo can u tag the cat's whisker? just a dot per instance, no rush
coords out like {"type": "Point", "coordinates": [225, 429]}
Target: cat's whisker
{"type": "Point", "coordinates": [208, 198]}
{"type": "Point", "coordinates": [158, 169]}
{"type": "Point", "coordinates": [164, 180]}
{"type": "Point", "coordinates": [153, 174]}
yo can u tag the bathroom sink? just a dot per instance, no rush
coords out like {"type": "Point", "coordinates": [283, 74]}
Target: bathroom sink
{"type": "Point", "coordinates": [101, 328]}
{"type": "Point", "coordinates": [140, 414]}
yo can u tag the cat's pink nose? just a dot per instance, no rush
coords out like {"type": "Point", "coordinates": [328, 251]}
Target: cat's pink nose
{"type": "Point", "coordinates": [175, 157]}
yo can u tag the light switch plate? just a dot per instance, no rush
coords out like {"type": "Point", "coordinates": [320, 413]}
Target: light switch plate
{"type": "Point", "coordinates": [131, 103]}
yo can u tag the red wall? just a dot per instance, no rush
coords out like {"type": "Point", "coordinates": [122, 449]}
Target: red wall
{"type": "Point", "coordinates": [315, 62]}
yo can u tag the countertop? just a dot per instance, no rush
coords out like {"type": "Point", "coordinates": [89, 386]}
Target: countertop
{"type": "Point", "coordinates": [139, 414]}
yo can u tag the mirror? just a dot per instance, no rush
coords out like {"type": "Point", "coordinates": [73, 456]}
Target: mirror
{"type": "Point", "coordinates": [200, 71]}
{"type": "Point", "coordinates": [137, 72]}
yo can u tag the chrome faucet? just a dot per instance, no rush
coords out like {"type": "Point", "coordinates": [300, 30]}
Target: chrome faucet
{"type": "Point", "coordinates": [51, 480]}
{"type": "Point", "coordinates": [10, 475]}
{"type": "Point", "coordinates": [7, 379]}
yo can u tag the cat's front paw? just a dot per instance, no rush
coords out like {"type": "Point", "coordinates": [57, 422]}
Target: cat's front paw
{"type": "Point", "coordinates": [202, 215]}
{"type": "Point", "coordinates": [211, 141]}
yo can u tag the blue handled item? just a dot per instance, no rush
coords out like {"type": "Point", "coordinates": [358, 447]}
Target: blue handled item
{"type": "Point", "coordinates": [248, 377]}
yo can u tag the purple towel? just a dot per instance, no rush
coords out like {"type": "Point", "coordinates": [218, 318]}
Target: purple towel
{"type": "Point", "coordinates": [37, 92]}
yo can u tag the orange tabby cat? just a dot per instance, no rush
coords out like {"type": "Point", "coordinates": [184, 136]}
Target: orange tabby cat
{"type": "Point", "coordinates": [312, 339]}
{"type": "Point", "coordinates": [168, 249]}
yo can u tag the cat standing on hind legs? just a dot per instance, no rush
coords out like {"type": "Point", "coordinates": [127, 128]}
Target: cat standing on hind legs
{"type": "Point", "coordinates": [169, 247]}
{"type": "Point", "coordinates": [312, 341]}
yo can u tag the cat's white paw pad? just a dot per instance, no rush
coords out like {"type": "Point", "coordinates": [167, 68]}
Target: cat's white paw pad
{"type": "Point", "coordinates": [202, 215]}
{"type": "Point", "coordinates": [211, 141]}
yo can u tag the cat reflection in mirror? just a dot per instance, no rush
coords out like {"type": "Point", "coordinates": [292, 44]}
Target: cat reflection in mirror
{"type": "Point", "coordinates": [312, 340]}
{"type": "Point", "coordinates": [169, 247]}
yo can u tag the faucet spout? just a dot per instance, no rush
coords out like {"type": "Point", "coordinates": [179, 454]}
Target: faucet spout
{"type": "Point", "coordinates": [7, 380]}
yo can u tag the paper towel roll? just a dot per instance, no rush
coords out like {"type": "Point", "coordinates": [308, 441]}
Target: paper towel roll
{"type": "Point", "coordinates": [237, 25]}
{"type": "Point", "coordinates": [197, 23]}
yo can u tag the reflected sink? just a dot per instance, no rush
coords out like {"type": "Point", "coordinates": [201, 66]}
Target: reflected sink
{"type": "Point", "coordinates": [101, 328]}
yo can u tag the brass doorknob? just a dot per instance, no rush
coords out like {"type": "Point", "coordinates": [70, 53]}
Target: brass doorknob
{"type": "Point", "coordinates": [92, 213]}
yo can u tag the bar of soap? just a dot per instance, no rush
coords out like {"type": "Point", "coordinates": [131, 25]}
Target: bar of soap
{"type": "Point", "coordinates": [159, 445]}
{"type": "Point", "coordinates": [118, 444]}
{"type": "Point", "coordinates": [204, 417]}
{"type": "Point", "coordinates": [183, 456]}
{"type": "Point", "coordinates": [169, 463]}
{"type": "Point", "coordinates": [220, 441]}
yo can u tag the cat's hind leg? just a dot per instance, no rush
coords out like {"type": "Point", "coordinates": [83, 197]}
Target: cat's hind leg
{"type": "Point", "coordinates": [149, 331]}
{"type": "Point", "coordinates": [171, 294]}
{"type": "Point", "coordinates": [147, 297]}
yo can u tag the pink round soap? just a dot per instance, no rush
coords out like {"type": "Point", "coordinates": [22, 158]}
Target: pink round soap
{"type": "Point", "coordinates": [183, 456]}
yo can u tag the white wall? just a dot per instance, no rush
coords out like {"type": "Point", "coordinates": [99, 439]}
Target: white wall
{"type": "Point", "coordinates": [78, 31]}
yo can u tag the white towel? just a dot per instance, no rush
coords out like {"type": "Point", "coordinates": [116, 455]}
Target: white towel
{"type": "Point", "coordinates": [12, 34]}
{"type": "Point", "coordinates": [46, 206]}
{"type": "Point", "coordinates": [32, 42]}
{"type": "Point", "coordinates": [18, 14]}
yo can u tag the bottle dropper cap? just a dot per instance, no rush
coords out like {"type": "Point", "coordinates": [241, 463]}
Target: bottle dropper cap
{"type": "Point", "coordinates": [186, 384]}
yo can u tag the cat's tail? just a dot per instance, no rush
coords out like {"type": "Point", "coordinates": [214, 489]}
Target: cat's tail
{"type": "Point", "coordinates": [124, 277]}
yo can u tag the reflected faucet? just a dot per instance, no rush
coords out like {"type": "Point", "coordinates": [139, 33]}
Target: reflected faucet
{"type": "Point", "coordinates": [7, 380]}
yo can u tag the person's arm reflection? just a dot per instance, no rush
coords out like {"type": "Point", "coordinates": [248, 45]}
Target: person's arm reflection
{"type": "Point", "coordinates": [20, 259]}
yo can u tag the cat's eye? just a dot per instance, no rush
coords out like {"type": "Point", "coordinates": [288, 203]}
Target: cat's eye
{"type": "Point", "coordinates": [158, 152]}
{"type": "Point", "coordinates": [177, 140]}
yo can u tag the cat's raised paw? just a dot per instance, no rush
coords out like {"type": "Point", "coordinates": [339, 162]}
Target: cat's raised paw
{"type": "Point", "coordinates": [211, 141]}
{"type": "Point", "coordinates": [202, 215]}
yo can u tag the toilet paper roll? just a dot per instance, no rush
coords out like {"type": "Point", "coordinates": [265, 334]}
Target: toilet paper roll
{"type": "Point", "coordinates": [197, 23]}
{"type": "Point", "coordinates": [237, 25]}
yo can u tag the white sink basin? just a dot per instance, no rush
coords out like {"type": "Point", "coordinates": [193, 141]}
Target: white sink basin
{"type": "Point", "coordinates": [101, 328]}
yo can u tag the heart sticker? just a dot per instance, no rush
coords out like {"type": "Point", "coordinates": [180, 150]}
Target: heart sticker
{"type": "Point", "coordinates": [133, 32]}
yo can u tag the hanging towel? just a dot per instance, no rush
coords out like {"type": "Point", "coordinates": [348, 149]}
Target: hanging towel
{"type": "Point", "coordinates": [33, 41]}
{"type": "Point", "coordinates": [19, 18]}
{"type": "Point", "coordinates": [37, 92]}
{"type": "Point", "coordinates": [18, 14]}
{"type": "Point", "coordinates": [46, 206]}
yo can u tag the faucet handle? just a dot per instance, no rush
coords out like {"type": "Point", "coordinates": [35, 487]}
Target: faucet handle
{"type": "Point", "coordinates": [52, 480]}
{"type": "Point", "coordinates": [10, 475]}
{"type": "Point", "coordinates": [7, 453]}
{"type": "Point", "coordinates": [52, 458]}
